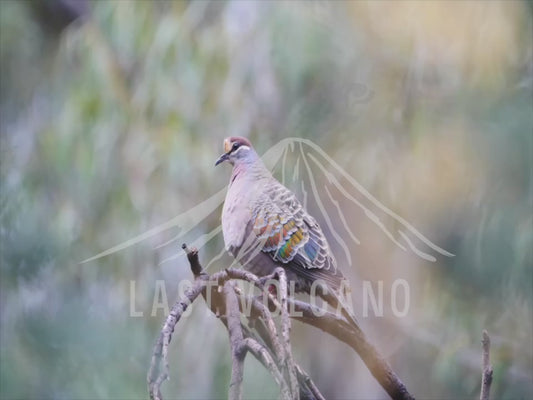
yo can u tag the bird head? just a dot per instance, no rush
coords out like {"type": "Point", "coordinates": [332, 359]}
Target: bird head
{"type": "Point", "coordinates": [236, 149]}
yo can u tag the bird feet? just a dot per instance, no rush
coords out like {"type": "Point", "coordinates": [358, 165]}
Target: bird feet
{"type": "Point", "coordinates": [273, 290]}
{"type": "Point", "coordinates": [271, 287]}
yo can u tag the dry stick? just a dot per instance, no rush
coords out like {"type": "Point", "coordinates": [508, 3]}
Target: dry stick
{"type": "Point", "coordinates": [286, 332]}
{"type": "Point", "coordinates": [261, 353]}
{"type": "Point", "coordinates": [340, 328]}
{"type": "Point", "coordinates": [354, 337]}
{"type": "Point", "coordinates": [250, 343]}
{"type": "Point", "coordinates": [216, 304]}
{"type": "Point", "coordinates": [308, 389]}
{"type": "Point", "coordinates": [486, 375]}
{"type": "Point", "coordinates": [309, 382]}
{"type": "Point", "coordinates": [270, 335]}
{"type": "Point", "coordinates": [156, 374]}
{"type": "Point", "coordinates": [265, 354]}
{"type": "Point", "coordinates": [236, 339]}
{"type": "Point", "coordinates": [267, 332]}
{"type": "Point", "coordinates": [283, 352]}
{"type": "Point", "coordinates": [346, 332]}
{"type": "Point", "coordinates": [261, 310]}
{"type": "Point", "coordinates": [335, 326]}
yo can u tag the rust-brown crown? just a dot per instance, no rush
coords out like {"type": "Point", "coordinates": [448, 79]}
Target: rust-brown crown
{"type": "Point", "coordinates": [229, 141]}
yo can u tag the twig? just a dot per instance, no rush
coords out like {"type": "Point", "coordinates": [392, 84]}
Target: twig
{"type": "Point", "coordinates": [260, 310]}
{"type": "Point", "coordinates": [486, 375]}
{"type": "Point", "coordinates": [241, 338]}
{"type": "Point", "coordinates": [307, 379]}
{"type": "Point", "coordinates": [236, 338]}
{"type": "Point", "coordinates": [156, 373]}
{"type": "Point", "coordinates": [286, 332]}
{"type": "Point", "coordinates": [192, 256]}
{"type": "Point", "coordinates": [267, 347]}
{"type": "Point", "coordinates": [338, 327]}
{"type": "Point", "coordinates": [308, 389]}
{"type": "Point", "coordinates": [261, 353]}
{"type": "Point", "coordinates": [354, 337]}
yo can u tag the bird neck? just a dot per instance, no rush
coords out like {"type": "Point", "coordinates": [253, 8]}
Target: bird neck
{"type": "Point", "coordinates": [252, 169]}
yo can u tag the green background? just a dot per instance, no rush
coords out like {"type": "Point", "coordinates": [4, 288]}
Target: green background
{"type": "Point", "coordinates": [110, 125]}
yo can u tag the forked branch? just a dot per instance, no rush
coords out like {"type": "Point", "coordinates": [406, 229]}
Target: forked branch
{"type": "Point", "coordinates": [486, 375]}
{"type": "Point", "coordinates": [260, 336]}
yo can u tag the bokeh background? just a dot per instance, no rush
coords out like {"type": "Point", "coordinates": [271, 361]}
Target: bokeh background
{"type": "Point", "coordinates": [113, 112]}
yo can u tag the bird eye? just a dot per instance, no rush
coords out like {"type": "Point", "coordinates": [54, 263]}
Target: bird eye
{"type": "Point", "coordinates": [235, 146]}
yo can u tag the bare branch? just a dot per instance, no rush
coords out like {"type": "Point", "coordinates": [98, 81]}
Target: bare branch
{"type": "Point", "coordinates": [486, 375]}
{"type": "Point", "coordinates": [286, 332]}
{"type": "Point", "coordinates": [262, 354]}
{"type": "Point", "coordinates": [264, 342]}
{"type": "Point", "coordinates": [308, 390]}
{"type": "Point", "coordinates": [236, 338]}
{"type": "Point", "coordinates": [157, 373]}
{"type": "Point", "coordinates": [192, 256]}
{"type": "Point", "coordinates": [242, 342]}
{"type": "Point", "coordinates": [307, 379]}
{"type": "Point", "coordinates": [259, 309]}
{"type": "Point", "coordinates": [353, 336]}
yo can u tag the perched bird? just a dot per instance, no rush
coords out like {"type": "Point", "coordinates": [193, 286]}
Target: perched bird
{"type": "Point", "coordinates": [265, 227]}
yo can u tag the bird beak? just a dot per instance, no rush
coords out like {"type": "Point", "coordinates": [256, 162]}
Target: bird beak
{"type": "Point", "coordinates": [222, 158]}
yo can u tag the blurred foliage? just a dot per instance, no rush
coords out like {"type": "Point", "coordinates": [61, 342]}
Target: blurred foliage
{"type": "Point", "coordinates": [112, 114]}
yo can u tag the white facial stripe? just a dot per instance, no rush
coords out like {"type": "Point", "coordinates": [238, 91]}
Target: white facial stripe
{"type": "Point", "coordinates": [242, 146]}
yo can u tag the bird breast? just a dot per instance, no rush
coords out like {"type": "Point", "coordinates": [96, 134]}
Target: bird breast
{"type": "Point", "coordinates": [236, 213]}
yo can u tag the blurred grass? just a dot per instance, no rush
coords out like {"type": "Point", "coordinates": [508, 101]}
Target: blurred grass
{"type": "Point", "coordinates": [110, 126]}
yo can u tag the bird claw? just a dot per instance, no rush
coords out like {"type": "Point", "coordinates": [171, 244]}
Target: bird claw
{"type": "Point", "coordinates": [272, 289]}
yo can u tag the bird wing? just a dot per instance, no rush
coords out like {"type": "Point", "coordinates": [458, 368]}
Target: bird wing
{"type": "Point", "coordinates": [292, 237]}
